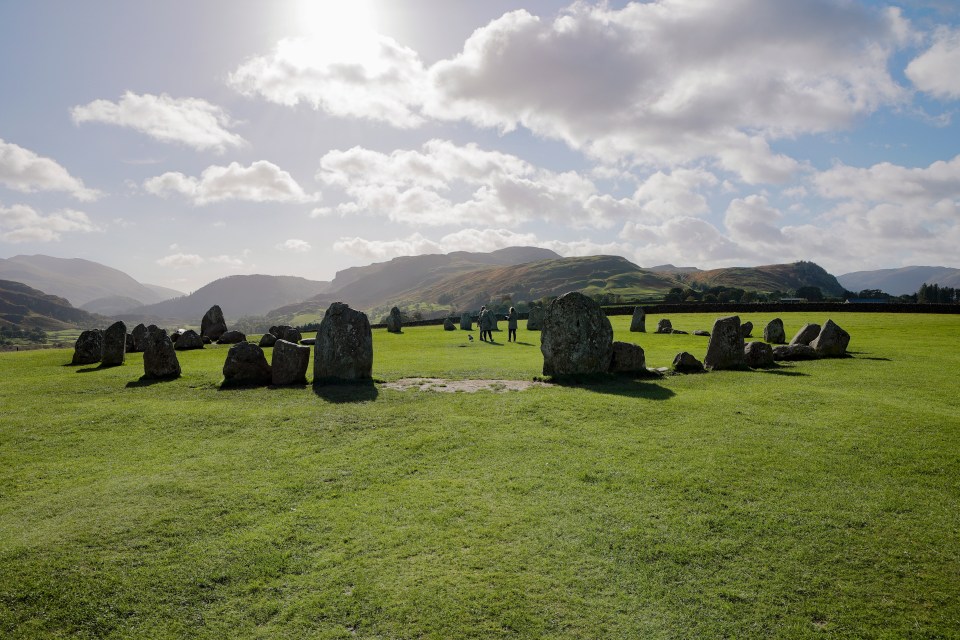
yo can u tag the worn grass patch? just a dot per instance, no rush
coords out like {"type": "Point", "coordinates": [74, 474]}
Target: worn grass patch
{"type": "Point", "coordinates": [818, 499]}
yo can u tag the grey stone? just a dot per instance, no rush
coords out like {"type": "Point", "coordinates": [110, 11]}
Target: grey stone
{"type": "Point", "coordinates": [664, 326]}
{"type": "Point", "coordinates": [139, 334]}
{"type": "Point", "coordinates": [627, 358]}
{"type": "Point", "coordinates": [289, 363]}
{"type": "Point", "coordinates": [774, 332]}
{"type": "Point", "coordinates": [746, 329]}
{"type": "Point", "coordinates": [188, 341]}
{"type": "Point", "coordinates": [246, 366]}
{"type": "Point", "coordinates": [159, 358]}
{"type": "Point", "coordinates": [493, 322]}
{"type": "Point", "coordinates": [725, 349]}
{"type": "Point", "coordinates": [88, 349]}
{"type": "Point", "coordinates": [344, 347]}
{"type": "Point", "coordinates": [213, 324]}
{"type": "Point", "coordinates": [174, 337]}
{"type": "Point", "coordinates": [535, 319]}
{"type": "Point", "coordinates": [701, 332]}
{"type": "Point", "coordinates": [206, 340]}
{"type": "Point", "coordinates": [806, 334]}
{"type": "Point", "coordinates": [232, 337]}
{"type": "Point", "coordinates": [448, 325]}
{"type": "Point", "coordinates": [394, 321]}
{"type": "Point", "coordinates": [576, 337]}
{"type": "Point", "coordinates": [832, 341]}
{"type": "Point", "coordinates": [685, 362]}
{"type": "Point", "coordinates": [308, 341]}
{"type": "Point", "coordinates": [285, 332]}
{"type": "Point", "coordinates": [794, 352]}
{"type": "Point", "coordinates": [115, 344]}
{"type": "Point", "coordinates": [679, 332]}
{"type": "Point", "coordinates": [758, 355]}
{"type": "Point", "coordinates": [466, 322]}
{"type": "Point", "coordinates": [638, 323]}
{"type": "Point", "coordinates": [128, 340]}
{"type": "Point", "coordinates": [268, 340]}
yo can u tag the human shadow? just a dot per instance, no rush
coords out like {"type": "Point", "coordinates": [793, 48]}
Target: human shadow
{"type": "Point", "coordinates": [144, 381]}
{"type": "Point", "coordinates": [626, 385]}
{"type": "Point", "coordinates": [525, 344]}
{"type": "Point", "coordinates": [343, 391]}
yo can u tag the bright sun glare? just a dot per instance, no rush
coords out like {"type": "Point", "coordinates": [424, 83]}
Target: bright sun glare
{"type": "Point", "coordinates": [339, 29]}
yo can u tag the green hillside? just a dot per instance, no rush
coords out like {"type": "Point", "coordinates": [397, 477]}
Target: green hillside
{"type": "Point", "coordinates": [23, 306]}
{"type": "Point", "coordinates": [772, 277]}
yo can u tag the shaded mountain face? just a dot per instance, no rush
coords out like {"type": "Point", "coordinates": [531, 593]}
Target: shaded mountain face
{"type": "Point", "coordinates": [79, 281]}
{"type": "Point", "coordinates": [902, 281]}
{"type": "Point", "coordinates": [26, 307]}
{"type": "Point", "coordinates": [772, 277]}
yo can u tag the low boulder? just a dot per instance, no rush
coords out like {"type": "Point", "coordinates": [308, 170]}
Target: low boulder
{"type": "Point", "coordinates": [268, 340]}
{"type": "Point", "coordinates": [88, 349]}
{"type": "Point", "coordinates": [725, 349]}
{"type": "Point", "coordinates": [114, 344]}
{"type": "Point", "coordinates": [344, 346]}
{"type": "Point", "coordinates": [535, 319]}
{"type": "Point", "coordinates": [286, 332]}
{"type": "Point", "coordinates": [806, 334]}
{"type": "Point", "coordinates": [832, 341]}
{"type": "Point", "coordinates": [679, 332]}
{"type": "Point", "coordinates": [685, 362]}
{"type": "Point", "coordinates": [448, 325]}
{"type": "Point", "coordinates": [188, 341]}
{"type": "Point", "coordinates": [701, 332]}
{"type": "Point", "coordinates": [246, 366]}
{"type": "Point", "coordinates": [758, 355]}
{"type": "Point", "coordinates": [794, 352]}
{"type": "Point", "coordinates": [576, 337]}
{"type": "Point", "coordinates": [746, 329]}
{"type": "Point", "coordinates": [394, 321]}
{"type": "Point", "coordinates": [664, 326]}
{"type": "Point", "coordinates": [308, 341]}
{"type": "Point", "coordinates": [627, 358]}
{"type": "Point", "coordinates": [774, 333]}
{"type": "Point", "coordinates": [159, 358]}
{"type": "Point", "coordinates": [232, 337]}
{"type": "Point", "coordinates": [638, 323]}
{"type": "Point", "coordinates": [289, 363]}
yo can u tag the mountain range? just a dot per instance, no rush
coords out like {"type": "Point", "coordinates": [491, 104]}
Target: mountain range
{"type": "Point", "coordinates": [26, 307]}
{"type": "Point", "coordinates": [897, 282]}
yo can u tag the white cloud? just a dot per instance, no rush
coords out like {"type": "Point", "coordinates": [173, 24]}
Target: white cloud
{"type": "Point", "coordinates": [20, 223]}
{"type": "Point", "coordinates": [262, 181]}
{"type": "Point", "coordinates": [190, 121]}
{"type": "Point", "coordinates": [935, 70]}
{"type": "Point", "coordinates": [887, 182]}
{"type": "Point", "coordinates": [752, 219]}
{"type": "Point", "coordinates": [178, 260]}
{"type": "Point", "coordinates": [370, 77]}
{"type": "Point", "coordinates": [294, 245]}
{"type": "Point", "coordinates": [25, 171]}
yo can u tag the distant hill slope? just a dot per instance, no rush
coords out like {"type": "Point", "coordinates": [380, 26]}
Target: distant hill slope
{"type": "Point", "coordinates": [27, 307]}
{"type": "Point", "coordinates": [898, 282]}
{"type": "Point", "coordinates": [112, 305]}
{"type": "Point", "coordinates": [772, 277]}
{"type": "Point", "coordinates": [669, 268]}
{"type": "Point", "coordinates": [75, 279]}
{"type": "Point", "coordinates": [241, 295]}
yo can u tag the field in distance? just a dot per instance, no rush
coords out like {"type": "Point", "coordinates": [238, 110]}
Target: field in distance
{"type": "Point", "coordinates": [817, 498]}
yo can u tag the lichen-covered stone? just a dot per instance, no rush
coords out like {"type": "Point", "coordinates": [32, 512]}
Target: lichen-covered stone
{"type": "Point", "coordinates": [159, 357]}
{"type": "Point", "coordinates": [774, 333]}
{"type": "Point", "coordinates": [246, 365]}
{"type": "Point", "coordinates": [664, 326]}
{"type": "Point", "coordinates": [188, 341]}
{"type": "Point", "coordinates": [806, 334]}
{"type": "Point", "coordinates": [576, 337]}
{"type": "Point", "coordinates": [627, 358]}
{"type": "Point", "coordinates": [638, 323]}
{"type": "Point", "coordinates": [535, 319]}
{"type": "Point", "coordinates": [685, 362]}
{"type": "Point", "coordinates": [725, 349]}
{"type": "Point", "coordinates": [394, 321]}
{"type": "Point", "coordinates": [344, 346]}
{"type": "Point", "coordinates": [114, 344]}
{"type": "Point", "coordinates": [832, 341]}
{"type": "Point", "coordinates": [758, 355]}
{"type": "Point", "coordinates": [289, 363]}
{"type": "Point", "coordinates": [88, 349]}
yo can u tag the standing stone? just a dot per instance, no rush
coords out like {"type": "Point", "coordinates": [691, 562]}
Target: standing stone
{"type": "Point", "coordinates": [344, 347]}
{"type": "Point", "coordinates": [806, 334]}
{"type": "Point", "coordinates": [535, 319]}
{"type": "Point", "coordinates": [794, 352]}
{"type": "Point", "coordinates": [268, 340]}
{"type": "Point", "coordinates": [289, 363]}
{"type": "Point", "coordinates": [746, 329]}
{"type": "Point", "coordinates": [774, 332]}
{"type": "Point", "coordinates": [246, 366]}
{"type": "Point", "coordinates": [394, 321]}
{"type": "Point", "coordinates": [664, 326]}
{"type": "Point", "coordinates": [189, 340]}
{"type": "Point", "coordinates": [139, 334]}
{"type": "Point", "coordinates": [627, 358]}
{"type": "Point", "coordinates": [88, 349]}
{"type": "Point", "coordinates": [758, 355]}
{"type": "Point", "coordinates": [725, 349]}
{"type": "Point", "coordinates": [685, 362]}
{"type": "Point", "coordinates": [466, 322]}
{"type": "Point", "coordinates": [159, 358]}
{"type": "Point", "coordinates": [831, 342]}
{"type": "Point", "coordinates": [493, 322]}
{"type": "Point", "coordinates": [213, 325]}
{"type": "Point", "coordinates": [576, 337]}
{"type": "Point", "coordinates": [114, 344]}
{"type": "Point", "coordinates": [638, 323]}
{"type": "Point", "coordinates": [448, 325]}
{"type": "Point", "coordinates": [128, 340]}
{"type": "Point", "coordinates": [232, 337]}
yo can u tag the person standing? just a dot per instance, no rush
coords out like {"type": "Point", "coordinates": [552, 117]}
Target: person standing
{"type": "Point", "coordinates": [512, 325]}
{"type": "Point", "coordinates": [483, 321]}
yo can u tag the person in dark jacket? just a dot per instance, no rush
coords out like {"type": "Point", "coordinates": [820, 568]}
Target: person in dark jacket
{"type": "Point", "coordinates": [483, 320]}
{"type": "Point", "coordinates": [512, 325]}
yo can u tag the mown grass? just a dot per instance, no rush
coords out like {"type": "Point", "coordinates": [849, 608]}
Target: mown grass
{"type": "Point", "coordinates": [818, 499]}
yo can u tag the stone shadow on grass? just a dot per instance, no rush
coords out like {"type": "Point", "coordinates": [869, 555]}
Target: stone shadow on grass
{"type": "Point", "coordinates": [865, 355]}
{"type": "Point", "coordinates": [144, 381]}
{"type": "Point", "coordinates": [781, 371]}
{"type": "Point", "coordinates": [99, 367]}
{"type": "Point", "coordinates": [339, 391]}
{"type": "Point", "coordinates": [627, 385]}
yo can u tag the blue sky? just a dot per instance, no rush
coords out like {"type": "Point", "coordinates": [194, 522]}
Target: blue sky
{"type": "Point", "coordinates": [184, 141]}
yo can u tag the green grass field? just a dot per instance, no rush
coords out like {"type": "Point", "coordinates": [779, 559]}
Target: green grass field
{"type": "Point", "coordinates": [815, 500]}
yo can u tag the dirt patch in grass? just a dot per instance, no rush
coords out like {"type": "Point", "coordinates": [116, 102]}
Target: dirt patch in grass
{"type": "Point", "coordinates": [467, 386]}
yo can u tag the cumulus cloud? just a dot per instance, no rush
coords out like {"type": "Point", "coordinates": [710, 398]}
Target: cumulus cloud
{"type": "Point", "coordinates": [262, 181]}
{"type": "Point", "coordinates": [25, 171]}
{"type": "Point", "coordinates": [371, 76]}
{"type": "Point", "coordinates": [294, 245]}
{"type": "Point", "coordinates": [753, 219]}
{"type": "Point", "coordinates": [20, 223]}
{"type": "Point", "coordinates": [887, 182]}
{"type": "Point", "coordinates": [693, 241]}
{"type": "Point", "coordinates": [935, 70]}
{"type": "Point", "coordinates": [181, 260]}
{"type": "Point", "coordinates": [190, 121]}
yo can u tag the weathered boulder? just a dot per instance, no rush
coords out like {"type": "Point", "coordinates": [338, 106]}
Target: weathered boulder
{"type": "Point", "coordinates": [88, 349]}
{"type": "Point", "coordinates": [159, 358]}
{"type": "Point", "coordinates": [466, 321]}
{"type": "Point", "coordinates": [286, 332]}
{"type": "Point", "coordinates": [535, 319]}
{"type": "Point", "coordinates": [308, 341]}
{"type": "Point", "coordinates": [114, 344]}
{"type": "Point", "coordinates": [701, 332]}
{"type": "Point", "coordinates": [213, 325]}
{"type": "Point", "coordinates": [627, 358]}
{"type": "Point", "coordinates": [725, 349]}
{"type": "Point", "coordinates": [206, 340]}
{"type": "Point", "coordinates": [638, 323]}
{"type": "Point", "coordinates": [139, 334]}
{"type": "Point", "coordinates": [664, 326]}
{"type": "Point", "coordinates": [680, 332]}
{"type": "Point", "coordinates": [344, 347]}
{"type": "Point", "coordinates": [832, 341]}
{"type": "Point", "coordinates": [174, 336]}
{"type": "Point", "coordinates": [794, 352]}
{"type": "Point", "coordinates": [746, 329]}
{"type": "Point", "coordinates": [394, 321]}
{"type": "Point", "coordinates": [576, 337]}
{"type": "Point", "coordinates": [806, 334]}
{"type": "Point", "coordinates": [188, 341]}
{"type": "Point", "coordinates": [685, 362]}
{"type": "Point", "coordinates": [128, 343]}
{"type": "Point", "coordinates": [448, 325]}
{"type": "Point", "coordinates": [774, 332]}
{"type": "Point", "coordinates": [289, 363]}
{"type": "Point", "coordinates": [246, 366]}
{"type": "Point", "coordinates": [268, 340]}
{"type": "Point", "coordinates": [758, 355]}
{"type": "Point", "coordinates": [232, 337]}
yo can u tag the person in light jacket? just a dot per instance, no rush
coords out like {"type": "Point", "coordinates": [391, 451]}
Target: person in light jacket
{"type": "Point", "coordinates": [512, 325]}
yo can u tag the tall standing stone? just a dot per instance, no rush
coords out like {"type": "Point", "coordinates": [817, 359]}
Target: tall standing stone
{"type": "Point", "coordinates": [466, 322]}
{"type": "Point", "coordinates": [289, 363]}
{"type": "Point", "coordinates": [774, 333]}
{"type": "Point", "coordinates": [535, 319]}
{"type": "Point", "coordinates": [806, 334]}
{"type": "Point", "coordinates": [638, 323]}
{"type": "Point", "coordinates": [725, 349]}
{"type": "Point", "coordinates": [246, 366]}
{"type": "Point", "coordinates": [88, 349]}
{"type": "Point", "coordinates": [831, 342]}
{"type": "Point", "coordinates": [344, 346]}
{"type": "Point", "coordinates": [576, 337]}
{"type": "Point", "coordinates": [213, 324]}
{"type": "Point", "coordinates": [139, 334]}
{"type": "Point", "coordinates": [114, 344]}
{"type": "Point", "coordinates": [159, 358]}
{"type": "Point", "coordinates": [394, 321]}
